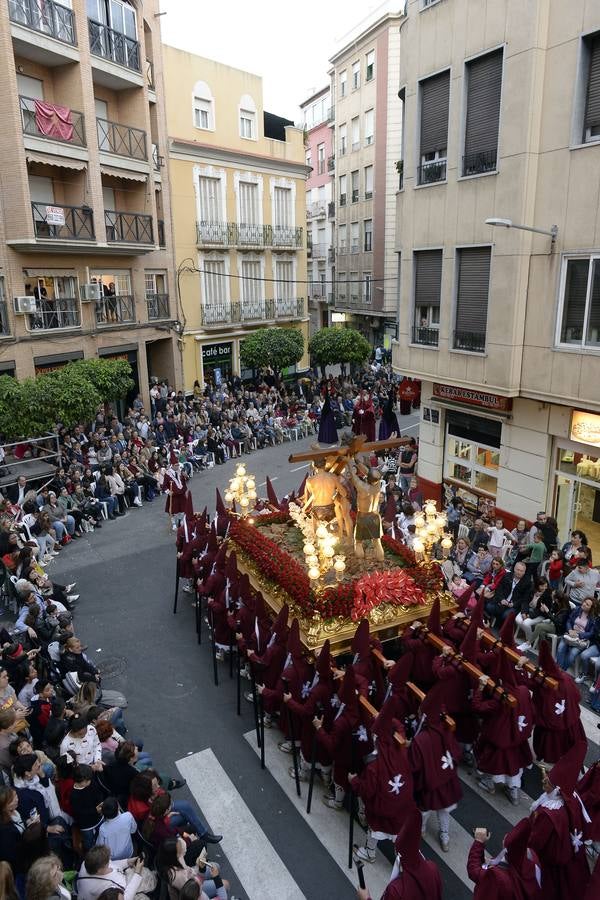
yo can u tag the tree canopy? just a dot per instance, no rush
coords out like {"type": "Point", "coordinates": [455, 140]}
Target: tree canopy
{"type": "Point", "coordinates": [330, 346]}
{"type": "Point", "coordinates": [68, 395]}
{"type": "Point", "coordinates": [274, 347]}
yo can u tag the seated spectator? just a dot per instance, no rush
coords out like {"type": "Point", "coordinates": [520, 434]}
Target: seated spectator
{"type": "Point", "coordinates": [460, 554]}
{"type": "Point", "coordinates": [98, 872]}
{"type": "Point", "coordinates": [539, 605]}
{"type": "Point", "coordinates": [22, 746]}
{"type": "Point", "coordinates": [44, 880]}
{"type": "Point", "coordinates": [478, 535]}
{"type": "Point", "coordinates": [9, 701]}
{"type": "Point", "coordinates": [513, 593]}
{"type": "Point", "coordinates": [581, 628]}
{"type": "Point", "coordinates": [581, 582]}
{"type": "Point", "coordinates": [164, 821]}
{"type": "Point", "coordinates": [116, 830]}
{"type": "Point", "coordinates": [479, 564]}
{"type": "Point", "coordinates": [86, 801]}
{"type": "Point", "coordinates": [74, 660]}
{"type": "Point", "coordinates": [82, 745]}
{"type": "Point", "coordinates": [177, 865]}
{"type": "Point", "coordinates": [28, 773]}
{"type": "Point", "coordinates": [556, 614]}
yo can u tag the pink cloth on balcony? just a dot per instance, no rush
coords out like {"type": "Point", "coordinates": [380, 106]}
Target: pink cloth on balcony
{"type": "Point", "coordinates": [54, 121]}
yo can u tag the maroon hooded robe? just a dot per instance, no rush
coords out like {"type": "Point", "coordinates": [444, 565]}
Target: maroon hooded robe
{"type": "Point", "coordinates": [434, 754]}
{"type": "Point", "coordinates": [512, 876]}
{"type": "Point", "coordinates": [175, 484]}
{"type": "Point", "coordinates": [317, 703]}
{"type": "Point", "coordinates": [557, 713]}
{"type": "Point", "coordinates": [419, 879]}
{"type": "Point", "coordinates": [337, 740]}
{"type": "Point", "coordinates": [588, 788]}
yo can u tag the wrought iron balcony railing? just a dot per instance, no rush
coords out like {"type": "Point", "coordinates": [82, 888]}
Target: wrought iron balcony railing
{"type": "Point", "coordinates": [46, 17]}
{"type": "Point", "coordinates": [236, 312]}
{"type": "Point", "coordinates": [241, 234]}
{"type": "Point", "coordinates": [432, 172]}
{"type": "Point", "coordinates": [63, 223]}
{"type": "Point", "coordinates": [218, 234]}
{"type": "Point", "coordinates": [319, 251]}
{"type": "Point", "coordinates": [30, 123]}
{"type": "Point", "coordinates": [479, 163]}
{"type": "Point", "coordinates": [424, 335]}
{"type": "Point", "coordinates": [331, 163]}
{"type": "Point", "coordinates": [121, 139]}
{"type": "Point", "coordinates": [113, 45]}
{"type": "Point", "coordinates": [112, 310]}
{"type": "Point", "coordinates": [158, 306]}
{"type": "Point", "coordinates": [285, 236]}
{"type": "Point", "coordinates": [289, 308]}
{"type": "Point", "coordinates": [55, 314]}
{"type": "Point", "coordinates": [474, 341]}
{"type": "Point", "coordinates": [126, 227]}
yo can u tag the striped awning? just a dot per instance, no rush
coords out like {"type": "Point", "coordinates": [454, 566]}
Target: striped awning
{"type": "Point", "coordinates": [60, 162]}
{"type": "Point", "coordinates": [123, 173]}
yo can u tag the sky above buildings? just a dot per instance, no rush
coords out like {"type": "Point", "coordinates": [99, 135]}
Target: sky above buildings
{"type": "Point", "coordinates": [289, 45]}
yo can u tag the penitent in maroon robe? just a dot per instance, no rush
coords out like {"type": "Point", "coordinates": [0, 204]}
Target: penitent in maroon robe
{"type": "Point", "coordinates": [434, 754]}
{"type": "Point", "coordinates": [557, 712]}
{"type": "Point", "coordinates": [511, 875]}
{"type": "Point", "coordinates": [363, 417]}
{"type": "Point", "coordinates": [415, 878]}
{"type": "Point", "coordinates": [175, 484]}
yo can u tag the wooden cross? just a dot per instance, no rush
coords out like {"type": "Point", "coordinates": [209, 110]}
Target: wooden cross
{"type": "Point", "coordinates": [336, 457]}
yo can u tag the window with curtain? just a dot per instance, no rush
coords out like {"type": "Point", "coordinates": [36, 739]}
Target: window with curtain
{"type": "Point", "coordinates": [356, 133]}
{"type": "Point", "coordinates": [203, 113]}
{"type": "Point", "coordinates": [343, 136]}
{"type": "Point", "coordinates": [356, 75]}
{"type": "Point", "coordinates": [354, 237]}
{"type": "Point", "coordinates": [215, 307]}
{"type": "Point", "coordinates": [368, 182]}
{"type": "Point", "coordinates": [368, 229]}
{"type": "Point", "coordinates": [484, 87]}
{"type": "Point", "coordinates": [282, 207]}
{"type": "Point", "coordinates": [210, 192]}
{"type": "Point", "coordinates": [369, 126]}
{"type": "Point", "coordinates": [435, 98]}
{"type": "Point", "coordinates": [343, 189]}
{"type": "Point", "coordinates": [580, 302]}
{"type": "Point", "coordinates": [248, 192]}
{"type": "Point", "coordinates": [285, 288]}
{"type": "Point", "coordinates": [354, 181]}
{"type": "Point", "coordinates": [370, 73]}
{"type": "Point", "coordinates": [342, 239]}
{"type": "Point", "coordinates": [473, 280]}
{"type": "Point", "coordinates": [247, 124]}
{"type": "Point", "coordinates": [252, 290]}
{"type": "Point", "coordinates": [343, 83]}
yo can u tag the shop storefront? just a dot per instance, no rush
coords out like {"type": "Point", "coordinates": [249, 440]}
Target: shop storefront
{"type": "Point", "coordinates": [577, 480]}
{"type": "Point", "coordinates": [217, 362]}
{"type": "Point", "coordinates": [45, 364]}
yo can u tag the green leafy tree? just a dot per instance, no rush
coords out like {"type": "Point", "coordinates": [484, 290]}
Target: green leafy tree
{"type": "Point", "coordinates": [74, 398]}
{"type": "Point", "coordinates": [333, 346]}
{"type": "Point", "coordinates": [111, 377]}
{"type": "Point", "coordinates": [273, 347]}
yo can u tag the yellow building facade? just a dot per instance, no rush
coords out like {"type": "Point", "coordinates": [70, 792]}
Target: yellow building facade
{"type": "Point", "coordinates": [237, 177]}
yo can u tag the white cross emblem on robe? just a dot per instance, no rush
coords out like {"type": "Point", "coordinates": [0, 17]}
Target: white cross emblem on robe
{"type": "Point", "coordinates": [447, 761]}
{"type": "Point", "coordinates": [522, 723]}
{"type": "Point", "coordinates": [559, 708]}
{"type": "Point", "coordinates": [372, 687]}
{"type": "Point", "coordinates": [305, 689]}
{"type": "Point", "coordinates": [361, 734]}
{"type": "Point", "coordinates": [577, 840]}
{"type": "Point", "coordinates": [395, 784]}
{"type": "Point", "coordinates": [335, 701]}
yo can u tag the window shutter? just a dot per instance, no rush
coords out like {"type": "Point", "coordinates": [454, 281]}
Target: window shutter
{"type": "Point", "coordinates": [575, 295]}
{"type": "Point", "coordinates": [435, 93]}
{"type": "Point", "coordinates": [473, 288]}
{"type": "Point", "coordinates": [428, 277]}
{"type": "Point", "coordinates": [592, 106]}
{"type": "Point", "coordinates": [593, 326]}
{"type": "Point", "coordinates": [483, 103]}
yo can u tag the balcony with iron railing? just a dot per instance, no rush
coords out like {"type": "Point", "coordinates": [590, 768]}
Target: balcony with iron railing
{"type": "Point", "coordinates": [479, 163]}
{"type": "Point", "coordinates": [36, 122]}
{"type": "Point", "coordinates": [122, 140]}
{"type": "Point", "coordinates": [319, 251]}
{"type": "Point", "coordinates": [157, 306]}
{"type": "Point", "coordinates": [115, 310]}
{"type": "Point", "coordinates": [149, 72]}
{"type": "Point", "coordinates": [63, 223]}
{"type": "Point", "coordinates": [331, 163]}
{"type": "Point", "coordinates": [236, 312]}
{"type": "Point", "coordinates": [55, 314]}
{"type": "Point", "coordinates": [432, 172]}
{"type": "Point", "coordinates": [128, 228]}
{"type": "Point", "coordinates": [331, 114]}
{"type": "Point", "coordinates": [47, 17]}
{"type": "Point", "coordinates": [284, 236]}
{"type": "Point", "coordinates": [472, 341]}
{"type": "Point", "coordinates": [317, 289]}
{"type": "Point", "coordinates": [4, 323]}
{"type": "Point", "coordinates": [316, 210]}
{"type": "Point", "coordinates": [428, 337]}
{"type": "Point", "coordinates": [241, 234]}
{"type": "Point", "coordinates": [114, 46]}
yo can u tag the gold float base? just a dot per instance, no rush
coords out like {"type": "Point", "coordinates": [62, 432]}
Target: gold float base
{"type": "Point", "coordinates": [386, 620]}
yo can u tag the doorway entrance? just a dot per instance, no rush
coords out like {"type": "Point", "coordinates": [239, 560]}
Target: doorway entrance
{"type": "Point", "coordinates": [577, 497]}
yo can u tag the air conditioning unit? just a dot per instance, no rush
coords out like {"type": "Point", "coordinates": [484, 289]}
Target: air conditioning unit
{"type": "Point", "coordinates": [91, 291]}
{"type": "Point", "coordinates": [24, 305]}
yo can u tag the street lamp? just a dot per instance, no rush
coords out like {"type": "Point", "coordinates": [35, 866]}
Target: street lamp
{"type": "Point", "coordinates": [508, 223]}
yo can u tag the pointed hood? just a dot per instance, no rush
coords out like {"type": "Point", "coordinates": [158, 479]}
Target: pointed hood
{"type": "Point", "coordinates": [280, 625]}
{"type": "Point", "coordinates": [220, 505]}
{"type": "Point", "coordinates": [189, 506]}
{"type": "Point", "coordinates": [408, 841]}
{"type": "Point", "coordinates": [272, 496]}
{"type": "Point", "coordinates": [212, 545]}
{"type": "Point", "coordinates": [384, 724]}
{"type": "Point", "coordinates": [294, 646]}
{"type": "Point", "coordinates": [201, 526]}
{"type": "Point", "coordinates": [221, 557]}
{"type": "Point", "coordinates": [505, 671]}
{"type": "Point", "coordinates": [347, 694]}
{"type": "Point", "coordinates": [360, 642]}
{"type": "Point", "coordinates": [400, 673]}
{"type": "Point", "coordinates": [323, 663]}
{"type": "Point", "coordinates": [231, 569]}
{"type": "Point", "coordinates": [507, 632]}
{"type": "Point", "coordinates": [470, 645]}
{"type": "Point", "coordinates": [260, 609]}
{"type": "Point", "coordinates": [433, 622]}
{"type": "Point", "coordinates": [245, 591]}
{"type": "Point", "coordinates": [547, 662]}
{"type": "Point", "coordinates": [434, 703]}
{"type": "Point", "coordinates": [389, 408]}
{"type": "Point", "coordinates": [477, 614]}
{"type": "Point", "coordinates": [515, 844]}
{"type": "Point", "coordinates": [565, 773]}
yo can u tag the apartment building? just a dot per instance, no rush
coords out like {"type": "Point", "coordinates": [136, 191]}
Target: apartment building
{"type": "Point", "coordinates": [239, 210]}
{"type": "Point", "coordinates": [85, 241]}
{"type": "Point", "coordinates": [368, 133]}
{"type": "Point", "coordinates": [320, 209]}
{"type": "Point", "coordinates": [502, 322]}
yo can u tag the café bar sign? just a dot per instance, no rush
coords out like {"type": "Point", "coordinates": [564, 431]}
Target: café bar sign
{"type": "Point", "coordinates": [472, 397]}
{"type": "Point", "coordinates": [585, 428]}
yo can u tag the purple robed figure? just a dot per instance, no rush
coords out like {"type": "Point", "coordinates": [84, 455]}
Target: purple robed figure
{"type": "Point", "coordinates": [327, 430]}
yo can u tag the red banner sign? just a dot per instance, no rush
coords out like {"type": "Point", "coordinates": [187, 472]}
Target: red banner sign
{"type": "Point", "coordinates": [472, 397]}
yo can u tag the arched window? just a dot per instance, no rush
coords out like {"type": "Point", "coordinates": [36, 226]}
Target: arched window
{"type": "Point", "coordinates": [203, 106]}
{"type": "Point", "coordinates": [247, 111]}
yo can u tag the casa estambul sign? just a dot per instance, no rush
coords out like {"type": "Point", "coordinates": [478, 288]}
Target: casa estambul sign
{"type": "Point", "coordinates": [472, 397]}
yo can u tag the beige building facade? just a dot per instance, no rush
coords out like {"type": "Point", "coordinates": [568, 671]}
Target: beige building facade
{"type": "Point", "coordinates": [239, 209]}
{"type": "Point", "coordinates": [85, 238]}
{"type": "Point", "coordinates": [367, 142]}
{"type": "Point", "coordinates": [502, 325]}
